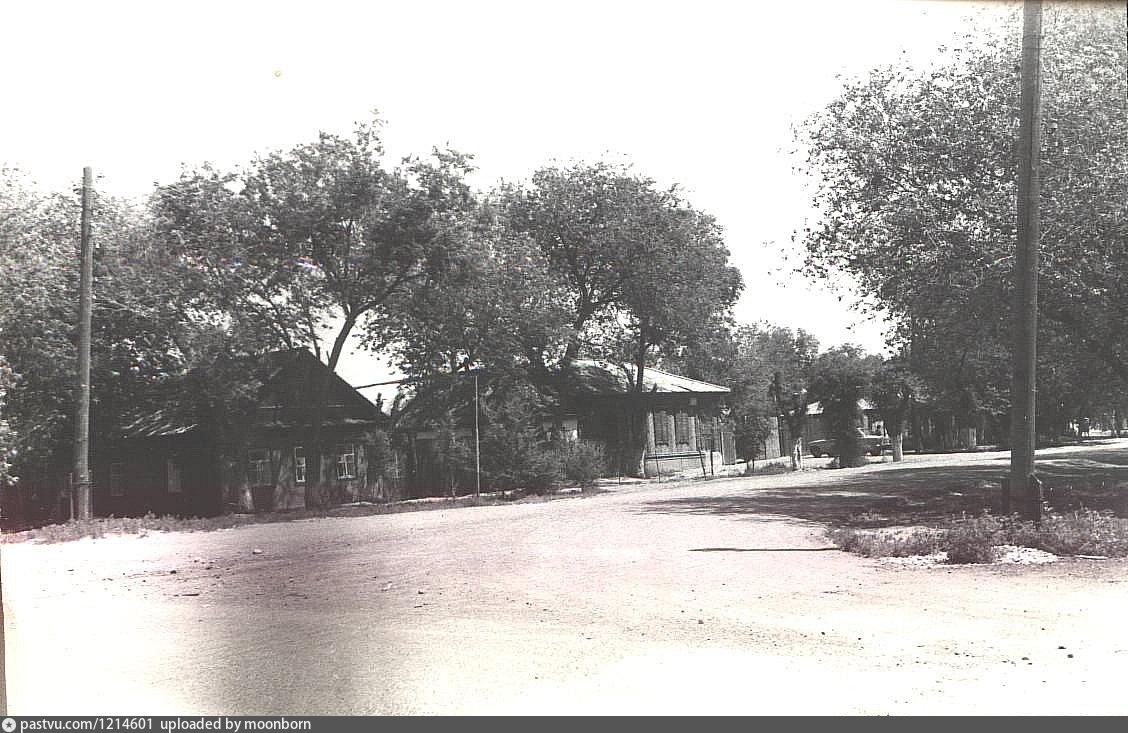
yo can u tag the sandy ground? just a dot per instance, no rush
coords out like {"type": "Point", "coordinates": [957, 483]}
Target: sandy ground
{"type": "Point", "coordinates": [645, 600]}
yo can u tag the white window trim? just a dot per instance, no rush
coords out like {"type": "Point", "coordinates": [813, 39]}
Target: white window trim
{"type": "Point", "coordinates": [300, 460]}
{"type": "Point", "coordinates": [343, 451]}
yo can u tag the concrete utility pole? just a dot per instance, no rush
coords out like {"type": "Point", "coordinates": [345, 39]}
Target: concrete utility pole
{"type": "Point", "coordinates": [82, 409]}
{"type": "Point", "coordinates": [1025, 495]}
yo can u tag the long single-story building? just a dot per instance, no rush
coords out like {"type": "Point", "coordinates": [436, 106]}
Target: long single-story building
{"type": "Point", "coordinates": [593, 400]}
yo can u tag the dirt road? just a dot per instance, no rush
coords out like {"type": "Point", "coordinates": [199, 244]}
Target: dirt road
{"type": "Point", "coordinates": [718, 597]}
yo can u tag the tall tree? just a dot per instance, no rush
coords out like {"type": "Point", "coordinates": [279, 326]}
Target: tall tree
{"type": "Point", "coordinates": [746, 359]}
{"type": "Point", "coordinates": [7, 435]}
{"type": "Point", "coordinates": [141, 329]}
{"type": "Point", "coordinates": [499, 307]}
{"type": "Point", "coordinates": [915, 174]}
{"type": "Point", "coordinates": [317, 239]}
{"type": "Point", "coordinates": [840, 379]}
{"type": "Point", "coordinates": [891, 390]}
{"type": "Point", "coordinates": [641, 267]}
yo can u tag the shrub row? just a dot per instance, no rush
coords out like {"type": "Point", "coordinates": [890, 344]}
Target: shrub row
{"type": "Point", "coordinates": [974, 539]}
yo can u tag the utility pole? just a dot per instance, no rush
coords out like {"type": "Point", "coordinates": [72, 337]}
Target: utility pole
{"type": "Point", "coordinates": [82, 409]}
{"type": "Point", "coordinates": [477, 444]}
{"type": "Point", "coordinates": [1024, 487]}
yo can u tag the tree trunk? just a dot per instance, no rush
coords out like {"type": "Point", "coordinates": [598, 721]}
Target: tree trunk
{"type": "Point", "coordinates": [918, 429]}
{"type": "Point", "coordinates": [897, 440]}
{"type": "Point", "coordinates": [316, 495]}
{"type": "Point", "coordinates": [634, 454]}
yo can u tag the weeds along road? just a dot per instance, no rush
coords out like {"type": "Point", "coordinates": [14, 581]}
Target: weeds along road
{"type": "Point", "coordinates": [703, 597]}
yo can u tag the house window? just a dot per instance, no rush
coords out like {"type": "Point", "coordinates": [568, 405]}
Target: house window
{"type": "Point", "coordinates": [682, 427]}
{"type": "Point", "coordinates": [258, 467]}
{"type": "Point", "coordinates": [117, 479]}
{"type": "Point", "coordinates": [299, 465]}
{"type": "Point", "coordinates": [346, 461]}
{"type": "Point", "coordinates": [661, 429]}
{"type": "Point", "coordinates": [172, 474]}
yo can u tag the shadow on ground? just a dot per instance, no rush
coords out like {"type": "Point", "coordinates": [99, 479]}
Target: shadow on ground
{"type": "Point", "coordinates": [925, 494]}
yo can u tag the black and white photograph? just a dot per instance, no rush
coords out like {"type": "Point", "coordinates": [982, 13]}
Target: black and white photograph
{"type": "Point", "coordinates": [617, 358]}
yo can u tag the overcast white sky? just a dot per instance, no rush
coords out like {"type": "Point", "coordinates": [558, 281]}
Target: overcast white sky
{"type": "Point", "coordinates": [699, 93]}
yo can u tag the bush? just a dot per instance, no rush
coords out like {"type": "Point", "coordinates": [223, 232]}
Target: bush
{"type": "Point", "coordinates": [514, 454]}
{"type": "Point", "coordinates": [886, 543]}
{"type": "Point", "coordinates": [1083, 532]}
{"type": "Point", "coordinates": [582, 461]}
{"type": "Point", "coordinates": [975, 539]}
{"type": "Point", "coordinates": [537, 471]}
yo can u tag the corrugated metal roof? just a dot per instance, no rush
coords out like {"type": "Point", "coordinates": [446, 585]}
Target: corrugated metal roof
{"type": "Point", "coordinates": [604, 377]}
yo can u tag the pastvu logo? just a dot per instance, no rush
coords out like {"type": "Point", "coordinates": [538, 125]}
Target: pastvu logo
{"type": "Point", "coordinates": [8, 725]}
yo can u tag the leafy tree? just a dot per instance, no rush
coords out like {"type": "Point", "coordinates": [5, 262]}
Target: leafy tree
{"type": "Point", "coordinates": [321, 237]}
{"type": "Point", "coordinates": [840, 379]}
{"type": "Point", "coordinates": [515, 453]}
{"type": "Point", "coordinates": [891, 390]}
{"type": "Point", "coordinates": [792, 406]}
{"type": "Point", "coordinates": [36, 321]}
{"type": "Point", "coordinates": [7, 436]}
{"type": "Point", "coordinates": [588, 221]}
{"type": "Point", "coordinates": [915, 173]}
{"type": "Point", "coordinates": [141, 330]}
{"type": "Point", "coordinates": [641, 268]}
{"type": "Point", "coordinates": [498, 307]}
{"type": "Point", "coordinates": [745, 359]}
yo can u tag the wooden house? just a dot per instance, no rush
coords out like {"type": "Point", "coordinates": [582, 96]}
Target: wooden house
{"type": "Point", "coordinates": [251, 455]}
{"type": "Point", "coordinates": [590, 400]}
{"type": "Point", "coordinates": [683, 421]}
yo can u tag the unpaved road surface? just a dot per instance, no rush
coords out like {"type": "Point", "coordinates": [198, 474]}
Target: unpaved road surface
{"type": "Point", "coordinates": [687, 598]}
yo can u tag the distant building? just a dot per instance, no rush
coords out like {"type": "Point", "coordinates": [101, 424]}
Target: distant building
{"type": "Point", "coordinates": [815, 427]}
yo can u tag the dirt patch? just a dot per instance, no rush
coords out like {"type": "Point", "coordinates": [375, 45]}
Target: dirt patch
{"type": "Point", "coordinates": [598, 605]}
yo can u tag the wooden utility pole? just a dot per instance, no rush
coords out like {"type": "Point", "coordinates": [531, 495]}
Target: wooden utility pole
{"type": "Point", "coordinates": [1025, 494]}
{"type": "Point", "coordinates": [82, 409]}
{"type": "Point", "coordinates": [477, 444]}
{"type": "Point", "coordinates": [3, 657]}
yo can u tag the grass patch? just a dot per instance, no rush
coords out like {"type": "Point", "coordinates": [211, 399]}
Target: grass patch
{"type": "Point", "coordinates": [974, 539]}
{"type": "Point", "coordinates": [771, 469]}
{"type": "Point", "coordinates": [886, 543]}
{"type": "Point", "coordinates": [105, 526]}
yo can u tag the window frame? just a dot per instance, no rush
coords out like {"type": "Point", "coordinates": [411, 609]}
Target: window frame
{"type": "Point", "coordinates": [342, 461]}
{"type": "Point", "coordinates": [683, 428]}
{"type": "Point", "coordinates": [301, 468]}
{"type": "Point", "coordinates": [117, 479]}
{"type": "Point", "coordinates": [259, 471]}
{"type": "Point", "coordinates": [174, 476]}
{"type": "Point", "coordinates": [662, 436]}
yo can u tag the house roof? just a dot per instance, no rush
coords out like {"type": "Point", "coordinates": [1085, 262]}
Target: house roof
{"type": "Point", "coordinates": [275, 376]}
{"type": "Point", "coordinates": [583, 377]}
{"type": "Point", "coordinates": [163, 422]}
{"type": "Point", "coordinates": [602, 377]}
